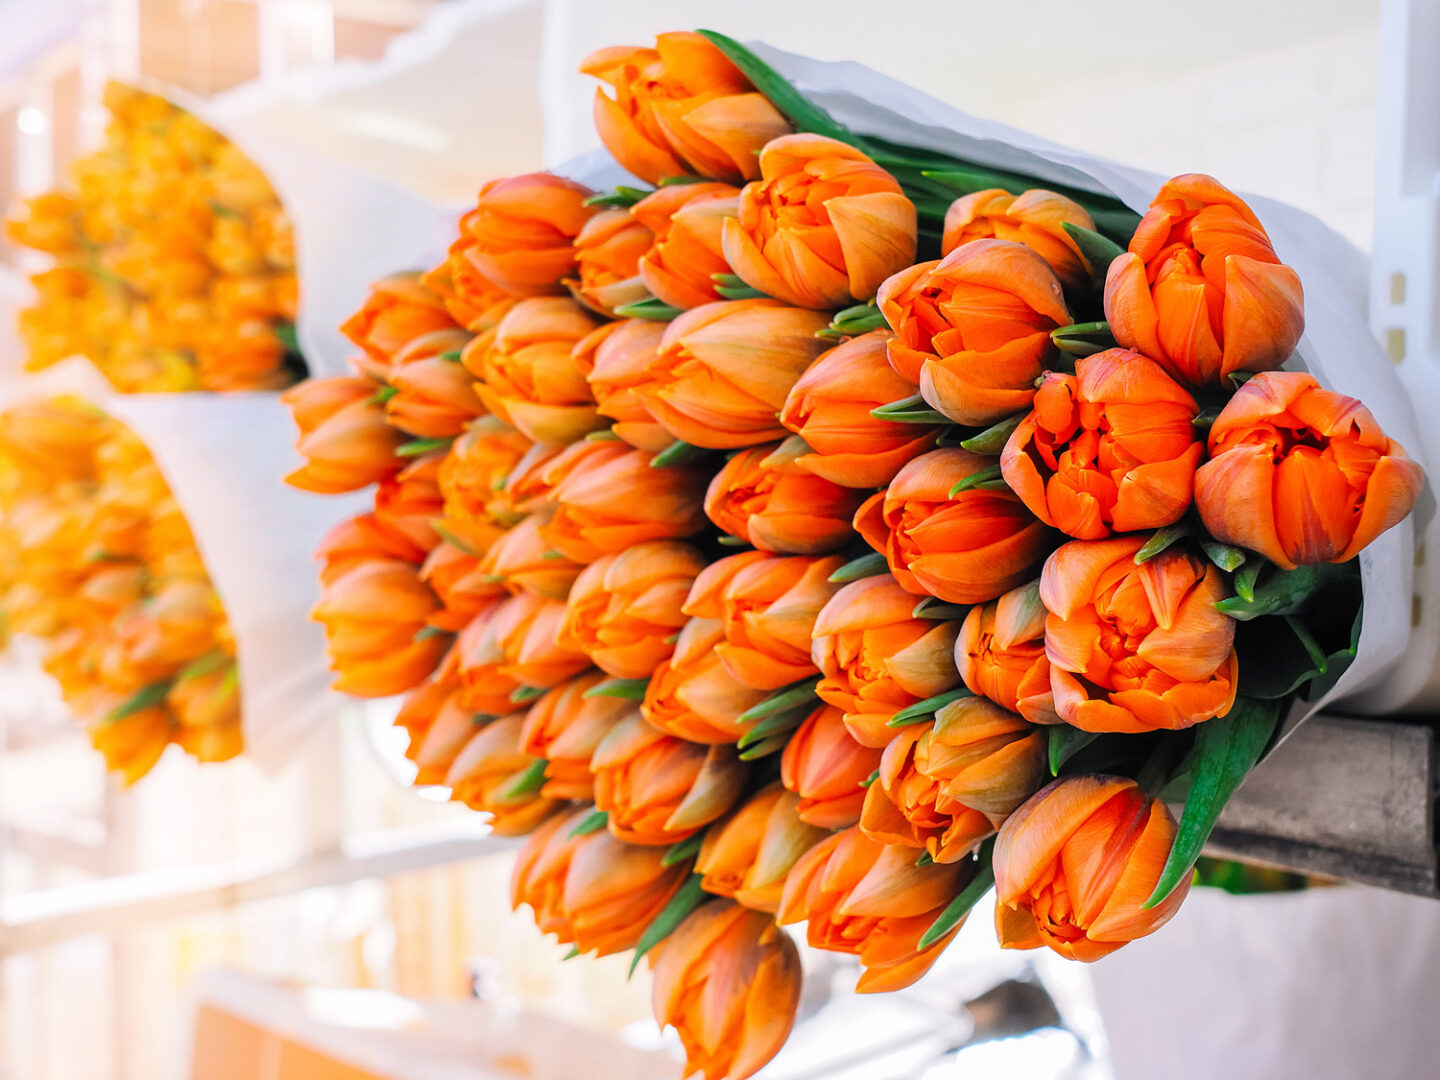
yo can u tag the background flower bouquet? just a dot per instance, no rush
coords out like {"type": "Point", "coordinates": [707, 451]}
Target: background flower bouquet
{"type": "Point", "coordinates": [630, 447]}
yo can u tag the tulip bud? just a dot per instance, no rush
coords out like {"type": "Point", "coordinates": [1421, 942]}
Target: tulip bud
{"type": "Point", "coordinates": [609, 498]}
{"type": "Point", "coordinates": [659, 790]}
{"type": "Point", "coordinates": [876, 658]}
{"type": "Point", "coordinates": [462, 584]}
{"type": "Point", "coordinates": [680, 107]}
{"type": "Point", "coordinates": [764, 496]}
{"type": "Point", "coordinates": [1050, 887]}
{"type": "Point", "coordinates": [728, 982]}
{"type": "Point", "coordinates": [692, 694]}
{"type": "Point", "coordinates": [827, 769]}
{"type": "Point", "coordinates": [564, 727]}
{"type": "Point", "coordinates": [1001, 654]}
{"type": "Point", "coordinates": [373, 616]}
{"type": "Point", "coordinates": [592, 890]}
{"type": "Point", "coordinates": [411, 502]}
{"type": "Point", "coordinates": [361, 539]}
{"type": "Point", "coordinates": [49, 222]}
{"type": "Point", "coordinates": [872, 901]}
{"type": "Point", "coordinates": [688, 222]}
{"type": "Point", "coordinates": [823, 227]}
{"type": "Point", "coordinates": [478, 461]}
{"type": "Point", "coordinates": [964, 548]}
{"type": "Point", "coordinates": [767, 606]}
{"type": "Point", "coordinates": [529, 487]}
{"type": "Point", "coordinates": [973, 330]}
{"type": "Point", "coordinates": [523, 558]}
{"type": "Point", "coordinates": [1035, 218]}
{"type": "Point", "coordinates": [489, 775]}
{"type": "Point", "coordinates": [620, 357]}
{"type": "Point", "coordinates": [466, 293]}
{"type": "Point", "coordinates": [1302, 474]}
{"type": "Point", "coordinates": [624, 608]}
{"type": "Point", "coordinates": [724, 370]}
{"type": "Point", "coordinates": [453, 727]}
{"type": "Point", "coordinates": [435, 398]}
{"type": "Point", "coordinates": [419, 711]}
{"type": "Point", "coordinates": [1135, 648]}
{"type": "Point", "coordinates": [746, 856]}
{"type": "Point", "coordinates": [607, 256]}
{"type": "Point", "coordinates": [1201, 290]}
{"type": "Point", "coordinates": [528, 376]}
{"type": "Point", "coordinates": [398, 310]}
{"type": "Point", "coordinates": [130, 745]}
{"type": "Point", "coordinates": [829, 407]}
{"type": "Point", "coordinates": [523, 231]}
{"type": "Point", "coordinates": [349, 449]}
{"type": "Point", "coordinates": [946, 786]}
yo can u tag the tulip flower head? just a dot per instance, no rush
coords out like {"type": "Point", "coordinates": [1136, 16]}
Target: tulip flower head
{"type": "Point", "coordinates": [1035, 218]}
{"type": "Point", "coordinates": [747, 855]}
{"type": "Point", "coordinates": [876, 658]}
{"type": "Point", "coordinates": [659, 790]}
{"type": "Point", "coordinates": [1001, 654]}
{"type": "Point", "coordinates": [822, 227]}
{"type": "Point", "coordinates": [693, 695]}
{"type": "Point", "coordinates": [964, 548]}
{"type": "Point", "coordinates": [829, 408]}
{"type": "Point", "coordinates": [398, 310]}
{"type": "Point", "coordinates": [728, 982]}
{"type": "Point", "coordinates": [374, 616]}
{"type": "Point", "coordinates": [681, 107]}
{"type": "Point", "coordinates": [607, 257]}
{"type": "Point", "coordinates": [723, 371]}
{"type": "Point", "coordinates": [1076, 861]}
{"type": "Point", "coordinates": [767, 498]}
{"type": "Point", "coordinates": [1201, 290]}
{"type": "Point", "coordinates": [492, 774]}
{"type": "Point", "coordinates": [1302, 474]}
{"type": "Point", "coordinates": [871, 900]}
{"type": "Point", "coordinates": [1112, 448]}
{"type": "Point", "coordinates": [435, 398]}
{"type": "Point", "coordinates": [688, 222]}
{"type": "Point", "coordinates": [618, 357]}
{"type": "Point", "coordinates": [522, 560]}
{"type": "Point", "coordinates": [1136, 648]}
{"type": "Point", "coordinates": [946, 786]}
{"type": "Point", "coordinates": [564, 727]}
{"type": "Point", "coordinates": [346, 444]}
{"type": "Point", "coordinates": [477, 463]}
{"type": "Point", "coordinates": [624, 609]}
{"type": "Point", "coordinates": [825, 766]}
{"type": "Point", "coordinates": [410, 502]}
{"type": "Point", "coordinates": [522, 232]}
{"type": "Point", "coordinates": [973, 329]}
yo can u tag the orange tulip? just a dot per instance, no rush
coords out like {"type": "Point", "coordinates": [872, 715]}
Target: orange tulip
{"type": "Point", "coordinates": [947, 785]}
{"type": "Point", "coordinates": [373, 617]}
{"type": "Point", "coordinates": [680, 107]}
{"type": "Point", "coordinates": [1201, 290]}
{"type": "Point", "coordinates": [435, 398]}
{"type": "Point", "coordinates": [767, 606]}
{"type": "Point", "coordinates": [1135, 648]}
{"type": "Point", "coordinates": [245, 355]}
{"type": "Point", "coordinates": [728, 982]}
{"type": "Point", "coordinates": [823, 227]}
{"type": "Point", "coordinates": [767, 499]}
{"type": "Point", "coordinates": [1001, 654]}
{"type": "Point", "coordinates": [964, 548]}
{"type": "Point", "coordinates": [133, 744]}
{"type": "Point", "coordinates": [659, 790]}
{"type": "Point", "coordinates": [398, 310]}
{"type": "Point", "coordinates": [564, 727]}
{"type": "Point", "coordinates": [491, 774]}
{"type": "Point", "coordinates": [620, 357]}
{"type": "Point", "coordinates": [528, 376]}
{"type": "Point", "coordinates": [435, 749]}
{"type": "Point", "coordinates": [49, 222]}
{"type": "Point", "coordinates": [468, 295]}
{"type": "Point", "coordinates": [692, 694]}
{"type": "Point", "coordinates": [351, 448]}
{"type": "Point", "coordinates": [208, 699]}
{"type": "Point", "coordinates": [827, 769]}
{"type": "Point", "coordinates": [419, 713]}
{"type": "Point", "coordinates": [872, 901]}
{"type": "Point", "coordinates": [1035, 218]}
{"type": "Point", "coordinates": [746, 856]}
{"type": "Point", "coordinates": [180, 622]}
{"type": "Point", "coordinates": [482, 651]}
{"type": "Point", "coordinates": [724, 370]}
{"type": "Point", "coordinates": [624, 609]}
{"type": "Point", "coordinates": [607, 257]}
{"type": "Point", "coordinates": [876, 658]}
{"type": "Point", "coordinates": [411, 501]}
{"type": "Point", "coordinates": [829, 407]}
{"type": "Point", "coordinates": [973, 330]}
{"type": "Point", "coordinates": [688, 221]}
{"type": "Point", "coordinates": [1111, 448]}
{"type": "Point", "coordinates": [1074, 864]}
{"type": "Point", "coordinates": [592, 890]}
{"type": "Point", "coordinates": [1302, 474]}
{"type": "Point", "coordinates": [315, 401]}
{"type": "Point", "coordinates": [610, 499]}
{"type": "Point", "coordinates": [522, 232]}
{"type": "Point", "coordinates": [462, 585]}
{"type": "Point", "coordinates": [522, 561]}
{"type": "Point", "coordinates": [478, 461]}
{"type": "Point", "coordinates": [529, 487]}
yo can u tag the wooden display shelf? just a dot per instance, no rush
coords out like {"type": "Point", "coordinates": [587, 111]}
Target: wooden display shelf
{"type": "Point", "coordinates": [1345, 798]}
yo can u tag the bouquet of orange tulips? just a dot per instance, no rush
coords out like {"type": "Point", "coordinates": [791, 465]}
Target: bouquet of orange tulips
{"type": "Point", "coordinates": [174, 262]}
{"type": "Point", "coordinates": [100, 564]}
{"type": "Point", "coordinates": [834, 531]}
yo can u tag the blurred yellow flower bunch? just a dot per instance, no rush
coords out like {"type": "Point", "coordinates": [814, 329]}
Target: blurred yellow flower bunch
{"type": "Point", "coordinates": [97, 560]}
{"type": "Point", "coordinates": [174, 260]}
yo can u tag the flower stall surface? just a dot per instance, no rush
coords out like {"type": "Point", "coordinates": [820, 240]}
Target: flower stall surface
{"type": "Point", "coordinates": [874, 510]}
